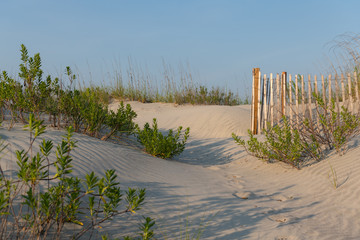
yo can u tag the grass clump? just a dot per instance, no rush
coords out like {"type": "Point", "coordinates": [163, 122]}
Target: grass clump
{"type": "Point", "coordinates": [37, 203]}
{"type": "Point", "coordinates": [158, 145]}
{"type": "Point", "coordinates": [172, 86]}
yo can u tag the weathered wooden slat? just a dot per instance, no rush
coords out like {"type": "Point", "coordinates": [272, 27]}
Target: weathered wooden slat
{"type": "Point", "coordinates": [297, 100]}
{"type": "Point", "coordinates": [265, 102]}
{"type": "Point", "coordinates": [255, 99]}
{"type": "Point", "coordinates": [357, 92]}
{"type": "Point", "coordinates": [258, 105]}
{"type": "Point", "coordinates": [330, 96]}
{"type": "Point", "coordinates": [317, 95]}
{"type": "Point", "coordinates": [303, 95]}
{"type": "Point", "coordinates": [291, 110]}
{"type": "Point", "coordinates": [343, 89]}
{"type": "Point", "coordinates": [271, 100]}
{"type": "Point", "coordinates": [278, 103]}
{"type": "Point", "coordinates": [309, 97]}
{"type": "Point", "coordinates": [350, 92]}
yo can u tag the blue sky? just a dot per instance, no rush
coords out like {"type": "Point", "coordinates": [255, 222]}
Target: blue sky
{"type": "Point", "coordinates": [220, 40]}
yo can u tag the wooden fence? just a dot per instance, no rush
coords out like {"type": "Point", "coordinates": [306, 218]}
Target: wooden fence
{"type": "Point", "coordinates": [274, 96]}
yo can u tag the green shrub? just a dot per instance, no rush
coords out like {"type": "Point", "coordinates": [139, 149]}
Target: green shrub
{"type": "Point", "coordinates": [335, 126]}
{"type": "Point", "coordinates": [159, 145]}
{"type": "Point", "coordinates": [282, 143]}
{"type": "Point", "coordinates": [31, 74]}
{"type": "Point", "coordinates": [37, 204]}
{"type": "Point", "coordinates": [253, 146]}
{"type": "Point", "coordinates": [121, 121]}
{"type": "Point", "coordinates": [294, 143]}
{"type": "Point", "coordinates": [94, 113]}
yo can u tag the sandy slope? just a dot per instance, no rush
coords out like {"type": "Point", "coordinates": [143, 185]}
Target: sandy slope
{"type": "Point", "coordinates": [207, 183]}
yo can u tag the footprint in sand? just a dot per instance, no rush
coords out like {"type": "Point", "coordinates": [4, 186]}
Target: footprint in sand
{"type": "Point", "coordinates": [235, 179]}
{"type": "Point", "coordinates": [281, 198]}
{"type": "Point", "coordinates": [283, 219]}
{"type": "Point", "coordinates": [280, 219]}
{"type": "Point", "coordinates": [285, 238]}
{"type": "Point", "coordinates": [244, 195]}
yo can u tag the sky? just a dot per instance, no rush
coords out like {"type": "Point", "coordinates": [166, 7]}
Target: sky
{"type": "Point", "coordinates": [220, 40]}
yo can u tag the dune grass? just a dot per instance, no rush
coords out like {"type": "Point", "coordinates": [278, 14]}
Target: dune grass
{"type": "Point", "coordinates": [170, 86]}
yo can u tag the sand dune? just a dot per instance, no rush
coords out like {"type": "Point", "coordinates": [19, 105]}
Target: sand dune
{"type": "Point", "coordinates": [215, 183]}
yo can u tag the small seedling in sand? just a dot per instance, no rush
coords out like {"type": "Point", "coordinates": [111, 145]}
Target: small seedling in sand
{"type": "Point", "coordinates": [333, 176]}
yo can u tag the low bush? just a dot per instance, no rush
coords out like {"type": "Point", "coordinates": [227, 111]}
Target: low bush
{"type": "Point", "coordinates": [282, 143]}
{"type": "Point", "coordinates": [335, 128]}
{"type": "Point", "coordinates": [122, 121]}
{"type": "Point", "coordinates": [37, 204]}
{"type": "Point", "coordinates": [158, 145]}
{"type": "Point", "coordinates": [293, 143]}
{"type": "Point", "coordinates": [94, 113]}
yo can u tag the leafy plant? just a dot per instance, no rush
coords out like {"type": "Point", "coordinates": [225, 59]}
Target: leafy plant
{"type": "Point", "coordinates": [121, 121]}
{"type": "Point", "coordinates": [253, 146]}
{"type": "Point", "coordinates": [94, 113]}
{"type": "Point", "coordinates": [331, 128]}
{"type": "Point", "coordinates": [334, 128]}
{"type": "Point", "coordinates": [30, 209]}
{"type": "Point", "coordinates": [159, 145]}
{"type": "Point", "coordinates": [31, 73]}
{"type": "Point", "coordinates": [282, 143]}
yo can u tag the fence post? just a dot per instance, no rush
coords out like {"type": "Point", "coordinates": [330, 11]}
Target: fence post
{"type": "Point", "coordinates": [297, 99]}
{"type": "Point", "coordinates": [271, 100]}
{"type": "Point", "coordinates": [350, 93]}
{"type": "Point", "coordinates": [309, 96]}
{"type": "Point", "coordinates": [291, 110]}
{"type": "Point", "coordinates": [330, 97]}
{"type": "Point", "coordinates": [343, 89]}
{"type": "Point", "coordinates": [323, 89]}
{"type": "Point", "coordinates": [265, 102]}
{"type": "Point", "coordinates": [317, 95]}
{"type": "Point", "coordinates": [336, 89]}
{"type": "Point", "coordinates": [259, 105]}
{"type": "Point", "coordinates": [337, 95]}
{"type": "Point", "coordinates": [356, 91]}
{"type": "Point", "coordinates": [255, 101]}
{"type": "Point", "coordinates": [303, 95]}
{"type": "Point", "coordinates": [278, 99]}
{"type": "Point", "coordinates": [283, 92]}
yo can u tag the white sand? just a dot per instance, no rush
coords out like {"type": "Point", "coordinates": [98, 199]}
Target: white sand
{"type": "Point", "coordinates": [215, 183]}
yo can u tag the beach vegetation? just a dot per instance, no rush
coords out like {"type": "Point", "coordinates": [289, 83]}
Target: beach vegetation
{"type": "Point", "coordinates": [160, 145]}
{"type": "Point", "coordinates": [42, 196]}
{"type": "Point", "coordinates": [121, 121]}
{"type": "Point", "coordinates": [171, 86]}
{"type": "Point", "coordinates": [335, 128]}
{"type": "Point", "coordinates": [282, 143]}
{"type": "Point", "coordinates": [333, 177]}
{"type": "Point", "coordinates": [312, 138]}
